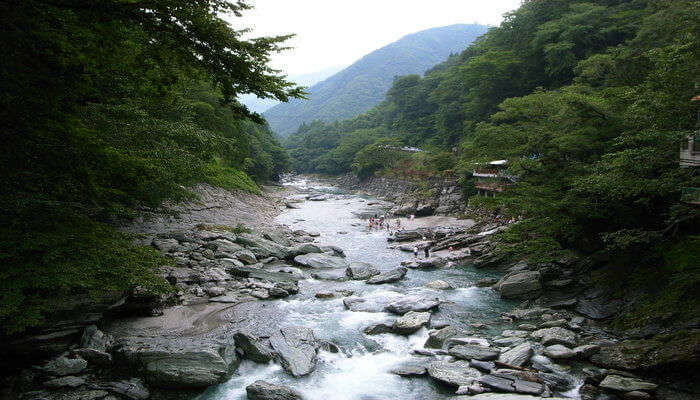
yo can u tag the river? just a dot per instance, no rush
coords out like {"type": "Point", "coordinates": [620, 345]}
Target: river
{"type": "Point", "coordinates": [361, 370]}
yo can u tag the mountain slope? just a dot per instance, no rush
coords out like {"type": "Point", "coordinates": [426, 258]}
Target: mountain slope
{"type": "Point", "coordinates": [364, 84]}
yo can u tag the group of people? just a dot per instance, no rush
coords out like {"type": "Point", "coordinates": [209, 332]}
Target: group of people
{"type": "Point", "coordinates": [382, 222]}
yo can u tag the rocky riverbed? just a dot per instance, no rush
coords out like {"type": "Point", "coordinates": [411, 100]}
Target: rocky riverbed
{"type": "Point", "coordinates": [314, 305]}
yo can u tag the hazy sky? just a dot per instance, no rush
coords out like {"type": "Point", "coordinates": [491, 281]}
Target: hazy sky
{"type": "Point", "coordinates": [334, 33]}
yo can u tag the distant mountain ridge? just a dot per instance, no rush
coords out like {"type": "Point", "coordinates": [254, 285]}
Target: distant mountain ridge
{"type": "Point", "coordinates": [363, 84]}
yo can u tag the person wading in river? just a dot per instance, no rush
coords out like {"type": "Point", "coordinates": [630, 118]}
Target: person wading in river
{"type": "Point", "coordinates": [415, 251]}
{"type": "Point", "coordinates": [426, 251]}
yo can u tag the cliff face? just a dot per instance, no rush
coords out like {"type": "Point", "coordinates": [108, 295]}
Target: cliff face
{"type": "Point", "coordinates": [434, 196]}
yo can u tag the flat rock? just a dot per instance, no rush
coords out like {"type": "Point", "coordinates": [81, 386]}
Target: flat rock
{"type": "Point", "coordinates": [410, 369]}
{"type": "Point", "coordinates": [378, 329]}
{"type": "Point", "coordinates": [393, 275]}
{"type": "Point", "coordinates": [520, 285]}
{"type": "Point", "coordinates": [555, 335]}
{"type": "Point", "coordinates": [412, 303]}
{"type": "Point", "coordinates": [261, 390]}
{"type": "Point", "coordinates": [296, 348]}
{"type": "Point", "coordinates": [439, 285]}
{"type": "Point", "coordinates": [626, 384]}
{"type": "Point", "coordinates": [321, 261]}
{"type": "Point", "coordinates": [411, 322]}
{"type": "Point", "coordinates": [457, 373]}
{"type": "Point", "coordinates": [65, 366]}
{"type": "Point", "coordinates": [474, 352]}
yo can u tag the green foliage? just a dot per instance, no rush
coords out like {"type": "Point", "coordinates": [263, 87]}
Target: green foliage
{"type": "Point", "coordinates": [108, 107]}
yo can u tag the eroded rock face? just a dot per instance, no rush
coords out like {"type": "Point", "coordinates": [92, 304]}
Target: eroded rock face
{"type": "Point", "coordinates": [295, 348]}
{"type": "Point", "coordinates": [179, 362]}
{"type": "Point", "coordinates": [394, 275]}
{"type": "Point", "coordinates": [261, 390]}
{"type": "Point", "coordinates": [677, 349]}
{"type": "Point", "coordinates": [626, 384]}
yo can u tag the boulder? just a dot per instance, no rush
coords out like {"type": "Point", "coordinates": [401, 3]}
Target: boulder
{"type": "Point", "coordinates": [484, 366]}
{"type": "Point", "coordinates": [93, 356]}
{"type": "Point", "coordinates": [263, 248]}
{"type": "Point", "coordinates": [626, 384]}
{"type": "Point", "coordinates": [436, 339]}
{"type": "Point", "coordinates": [558, 351]}
{"type": "Point", "coordinates": [246, 256]}
{"type": "Point", "coordinates": [253, 347]}
{"type": "Point", "coordinates": [393, 275]}
{"type": "Point", "coordinates": [179, 362]}
{"type": "Point", "coordinates": [378, 329]}
{"type": "Point", "coordinates": [474, 352]}
{"type": "Point", "coordinates": [518, 355]}
{"type": "Point", "coordinates": [62, 366]}
{"type": "Point", "coordinates": [261, 390]}
{"type": "Point", "coordinates": [586, 351]}
{"type": "Point", "coordinates": [410, 369]}
{"type": "Point", "coordinates": [361, 271]}
{"type": "Point", "coordinates": [412, 303]}
{"type": "Point", "coordinates": [520, 285]}
{"type": "Point", "coordinates": [438, 285]}
{"type": "Point", "coordinates": [411, 322]}
{"type": "Point", "coordinates": [94, 338]}
{"type": "Point", "coordinates": [556, 335]}
{"type": "Point", "coordinates": [501, 382]}
{"type": "Point", "coordinates": [320, 261]}
{"type": "Point", "coordinates": [295, 348]}
{"type": "Point", "coordinates": [305, 248]}
{"type": "Point", "coordinates": [457, 373]}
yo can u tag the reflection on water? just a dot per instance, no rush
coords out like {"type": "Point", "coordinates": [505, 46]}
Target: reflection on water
{"type": "Point", "coordinates": [362, 369]}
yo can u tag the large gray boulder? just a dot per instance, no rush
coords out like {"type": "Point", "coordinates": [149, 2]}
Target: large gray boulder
{"type": "Point", "coordinates": [132, 389]}
{"type": "Point", "coordinates": [518, 355]}
{"type": "Point", "coordinates": [296, 349]}
{"type": "Point", "coordinates": [457, 373]}
{"type": "Point", "coordinates": [555, 335]}
{"type": "Point", "coordinates": [393, 275]}
{"type": "Point", "coordinates": [261, 390]}
{"type": "Point", "coordinates": [474, 352]}
{"type": "Point", "coordinates": [253, 348]}
{"type": "Point", "coordinates": [558, 352]}
{"type": "Point", "coordinates": [412, 303]}
{"type": "Point", "coordinates": [411, 322]}
{"type": "Point", "coordinates": [304, 248]}
{"type": "Point", "coordinates": [361, 271]}
{"type": "Point", "coordinates": [520, 285]}
{"type": "Point", "coordinates": [437, 339]}
{"type": "Point", "coordinates": [179, 362]}
{"type": "Point", "coordinates": [321, 261]}
{"type": "Point", "coordinates": [263, 248]}
{"type": "Point", "coordinates": [505, 382]}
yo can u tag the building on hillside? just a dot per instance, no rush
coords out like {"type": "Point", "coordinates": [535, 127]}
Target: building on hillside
{"type": "Point", "coordinates": [690, 158]}
{"type": "Point", "coordinates": [492, 178]}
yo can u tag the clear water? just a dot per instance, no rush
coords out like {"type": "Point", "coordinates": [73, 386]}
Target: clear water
{"type": "Point", "coordinates": [362, 369]}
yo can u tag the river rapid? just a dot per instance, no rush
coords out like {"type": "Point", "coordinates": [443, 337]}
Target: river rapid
{"type": "Point", "coordinates": [361, 370]}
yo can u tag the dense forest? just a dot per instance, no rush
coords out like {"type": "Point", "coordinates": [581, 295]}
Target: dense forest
{"type": "Point", "coordinates": [108, 108]}
{"type": "Point", "coordinates": [588, 100]}
{"type": "Point", "coordinates": [363, 84]}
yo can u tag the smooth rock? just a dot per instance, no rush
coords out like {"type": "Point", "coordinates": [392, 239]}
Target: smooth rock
{"type": "Point", "coordinates": [439, 285]}
{"type": "Point", "coordinates": [253, 348]}
{"type": "Point", "coordinates": [393, 275]}
{"type": "Point", "coordinates": [321, 261]}
{"type": "Point", "coordinates": [261, 390]}
{"type": "Point", "coordinates": [558, 351]}
{"type": "Point", "coordinates": [586, 351]}
{"type": "Point", "coordinates": [378, 329]}
{"type": "Point", "coordinates": [410, 369]}
{"type": "Point", "coordinates": [436, 339]}
{"type": "Point", "coordinates": [93, 356]}
{"type": "Point", "coordinates": [133, 389]}
{"type": "Point", "coordinates": [520, 285]}
{"type": "Point", "coordinates": [412, 303]}
{"type": "Point", "coordinates": [556, 335]}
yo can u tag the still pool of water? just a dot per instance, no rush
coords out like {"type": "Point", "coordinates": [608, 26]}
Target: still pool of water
{"type": "Point", "coordinates": [361, 371]}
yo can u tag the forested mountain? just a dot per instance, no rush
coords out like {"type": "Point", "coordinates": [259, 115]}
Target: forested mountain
{"type": "Point", "coordinates": [108, 108]}
{"type": "Point", "coordinates": [363, 85]}
{"type": "Point", "coordinates": [589, 102]}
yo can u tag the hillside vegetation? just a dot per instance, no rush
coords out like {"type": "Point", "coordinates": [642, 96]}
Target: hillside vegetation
{"type": "Point", "coordinates": [588, 100]}
{"type": "Point", "coordinates": [363, 85]}
{"type": "Point", "coordinates": [107, 108]}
